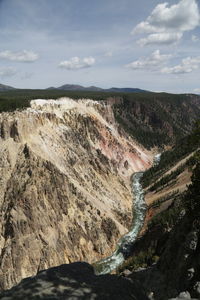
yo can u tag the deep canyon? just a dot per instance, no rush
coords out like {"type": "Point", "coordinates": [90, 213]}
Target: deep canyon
{"type": "Point", "coordinates": [66, 194]}
{"type": "Point", "coordinates": [66, 168]}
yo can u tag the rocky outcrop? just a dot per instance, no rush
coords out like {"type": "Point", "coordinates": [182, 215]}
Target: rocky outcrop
{"type": "Point", "coordinates": [74, 281]}
{"type": "Point", "coordinates": [65, 185]}
{"type": "Point", "coordinates": [177, 273]}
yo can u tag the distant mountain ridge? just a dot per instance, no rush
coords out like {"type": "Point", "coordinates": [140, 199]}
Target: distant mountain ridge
{"type": "Point", "coordinates": [4, 87]}
{"type": "Point", "coordinates": [75, 87]}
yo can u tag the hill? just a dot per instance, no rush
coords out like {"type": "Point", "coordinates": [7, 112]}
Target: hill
{"type": "Point", "coordinates": [4, 88]}
{"type": "Point", "coordinates": [74, 87]}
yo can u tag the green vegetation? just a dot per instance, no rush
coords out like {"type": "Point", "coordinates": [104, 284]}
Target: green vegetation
{"type": "Point", "coordinates": [192, 196]}
{"type": "Point", "coordinates": [144, 136]}
{"type": "Point", "coordinates": [19, 99]}
{"type": "Point", "coordinates": [169, 158]}
{"type": "Point", "coordinates": [168, 218]}
{"type": "Point", "coordinates": [142, 260]}
{"type": "Point", "coordinates": [172, 176]}
{"type": "Point", "coordinates": [150, 246]}
{"type": "Point", "coordinates": [164, 181]}
{"type": "Point", "coordinates": [171, 196]}
{"type": "Point", "coordinates": [156, 119]}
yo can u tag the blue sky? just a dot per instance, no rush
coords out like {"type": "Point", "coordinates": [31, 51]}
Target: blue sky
{"type": "Point", "coordinates": [152, 44]}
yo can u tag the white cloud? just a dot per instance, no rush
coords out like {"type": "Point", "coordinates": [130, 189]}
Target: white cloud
{"type": "Point", "coordinates": [197, 91]}
{"type": "Point", "coordinates": [154, 60]}
{"type": "Point", "coordinates": [7, 72]}
{"type": "Point", "coordinates": [76, 63]}
{"type": "Point", "coordinates": [166, 24]}
{"type": "Point", "coordinates": [22, 56]}
{"type": "Point", "coordinates": [187, 65]}
{"type": "Point", "coordinates": [195, 38]}
{"type": "Point", "coordinates": [161, 38]}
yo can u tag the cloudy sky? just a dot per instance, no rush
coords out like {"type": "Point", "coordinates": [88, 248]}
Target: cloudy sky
{"type": "Point", "coordinates": [148, 44]}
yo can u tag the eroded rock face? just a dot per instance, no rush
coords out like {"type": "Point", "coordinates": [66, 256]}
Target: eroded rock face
{"type": "Point", "coordinates": [65, 185]}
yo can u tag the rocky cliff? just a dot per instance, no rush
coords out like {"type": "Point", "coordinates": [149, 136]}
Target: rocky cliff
{"type": "Point", "coordinates": [65, 189]}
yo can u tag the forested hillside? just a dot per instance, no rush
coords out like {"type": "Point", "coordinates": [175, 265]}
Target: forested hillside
{"type": "Point", "coordinates": [157, 119]}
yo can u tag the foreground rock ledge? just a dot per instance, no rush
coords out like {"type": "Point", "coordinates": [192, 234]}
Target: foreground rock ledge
{"type": "Point", "coordinates": [74, 281]}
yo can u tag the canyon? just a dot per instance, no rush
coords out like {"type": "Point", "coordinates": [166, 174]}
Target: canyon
{"type": "Point", "coordinates": [65, 190]}
{"type": "Point", "coordinates": [66, 167]}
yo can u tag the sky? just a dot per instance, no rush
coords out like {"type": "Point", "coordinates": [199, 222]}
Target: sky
{"type": "Point", "coordinates": [147, 44]}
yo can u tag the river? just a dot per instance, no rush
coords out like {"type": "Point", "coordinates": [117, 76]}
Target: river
{"type": "Point", "coordinates": [122, 250]}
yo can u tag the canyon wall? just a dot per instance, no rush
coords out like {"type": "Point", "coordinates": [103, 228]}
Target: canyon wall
{"type": "Point", "coordinates": [65, 185]}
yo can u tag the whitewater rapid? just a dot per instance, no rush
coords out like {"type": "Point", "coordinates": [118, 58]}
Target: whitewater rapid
{"type": "Point", "coordinates": [122, 250]}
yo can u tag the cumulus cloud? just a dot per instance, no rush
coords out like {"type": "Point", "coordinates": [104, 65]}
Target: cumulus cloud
{"type": "Point", "coordinates": [154, 60]}
{"type": "Point", "coordinates": [197, 91]}
{"type": "Point", "coordinates": [22, 56]}
{"type": "Point", "coordinates": [166, 24]}
{"type": "Point", "coordinates": [187, 65]}
{"type": "Point", "coordinates": [161, 38]}
{"type": "Point", "coordinates": [7, 72]}
{"type": "Point", "coordinates": [76, 63]}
